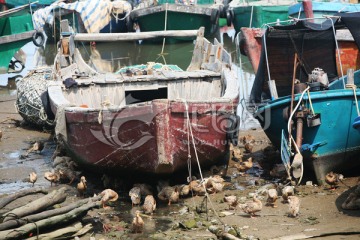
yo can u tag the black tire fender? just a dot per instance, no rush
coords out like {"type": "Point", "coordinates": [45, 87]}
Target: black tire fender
{"type": "Point", "coordinates": [229, 17]}
{"type": "Point", "coordinates": [35, 38]}
{"type": "Point", "coordinates": [214, 18]}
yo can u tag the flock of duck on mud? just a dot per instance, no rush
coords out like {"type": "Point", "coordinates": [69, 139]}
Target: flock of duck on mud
{"type": "Point", "coordinates": [64, 169]}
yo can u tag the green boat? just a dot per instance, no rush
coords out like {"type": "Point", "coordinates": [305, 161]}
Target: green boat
{"type": "Point", "coordinates": [176, 16]}
{"type": "Point", "coordinates": [255, 14]}
{"type": "Point", "coordinates": [16, 28]}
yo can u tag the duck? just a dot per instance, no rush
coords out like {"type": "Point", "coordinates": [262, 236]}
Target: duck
{"type": "Point", "coordinates": [237, 154]}
{"type": "Point", "coordinates": [149, 204]}
{"type": "Point", "coordinates": [108, 195]}
{"type": "Point", "coordinates": [52, 177]}
{"type": "Point", "coordinates": [272, 197]}
{"type": "Point", "coordinates": [184, 190]}
{"type": "Point", "coordinates": [170, 194]}
{"type": "Point", "coordinates": [278, 171]}
{"type": "Point", "coordinates": [333, 179]}
{"type": "Point", "coordinates": [286, 192]}
{"type": "Point", "coordinates": [38, 146]}
{"type": "Point", "coordinates": [135, 196]}
{"type": "Point", "coordinates": [294, 206]}
{"type": "Point", "coordinates": [81, 186]}
{"type": "Point", "coordinates": [214, 184]}
{"type": "Point", "coordinates": [248, 142]}
{"type": "Point", "coordinates": [137, 225]}
{"type": "Point", "coordinates": [197, 188]}
{"type": "Point", "coordinates": [145, 189]}
{"type": "Point", "coordinates": [251, 207]}
{"type": "Point", "coordinates": [32, 178]}
{"type": "Point", "coordinates": [232, 201]}
{"type": "Point", "coordinates": [67, 174]}
{"type": "Point", "coordinates": [245, 165]}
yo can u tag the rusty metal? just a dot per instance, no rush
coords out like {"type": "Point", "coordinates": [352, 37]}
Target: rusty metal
{"type": "Point", "coordinates": [292, 92]}
{"type": "Point", "coordinates": [299, 131]}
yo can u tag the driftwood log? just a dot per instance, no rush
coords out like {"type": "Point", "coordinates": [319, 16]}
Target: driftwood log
{"type": "Point", "coordinates": [6, 200]}
{"type": "Point", "coordinates": [24, 231]}
{"type": "Point", "coordinates": [75, 230]}
{"type": "Point", "coordinates": [56, 196]}
{"type": "Point", "coordinates": [43, 215]}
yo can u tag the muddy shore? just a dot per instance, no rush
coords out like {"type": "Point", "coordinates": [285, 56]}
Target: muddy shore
{"type": "Point", "coordinates": [320, 209]}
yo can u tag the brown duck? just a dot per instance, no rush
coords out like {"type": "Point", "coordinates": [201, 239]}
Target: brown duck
{"type": "Point", "coordinates": [149, 204]}
{"type": "Point", "coordinates": [251, 207]}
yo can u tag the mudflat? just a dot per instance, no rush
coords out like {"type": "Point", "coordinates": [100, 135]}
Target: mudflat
{"type": "Point", "coordinates": [192, 217]}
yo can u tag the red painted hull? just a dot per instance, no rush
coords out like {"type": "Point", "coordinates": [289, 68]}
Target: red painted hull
{"type": "Point", "coordinates": [151, 137]}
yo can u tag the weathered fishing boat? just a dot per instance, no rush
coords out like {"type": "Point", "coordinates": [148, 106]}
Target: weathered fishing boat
{"type": "Point", "coordinates": [176, 15]}
{"type": "Point", "coordinates": [318, 107]}
{"type": "Point", "coordinates": [16, 29]}
{"type": "Point", "coordinates": [252, 41]}
{"type": "Point", "coordinates": [150, 119]}
{"type": "Point", "coordinates": [89, 16]}
{"type": "Point", "coordinates": [254, 14]}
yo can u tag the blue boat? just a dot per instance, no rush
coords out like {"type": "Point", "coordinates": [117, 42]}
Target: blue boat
{"type": "Point", "coordinates": [319, 136]}
{"type": "Point", "coordinates": [319, 9]}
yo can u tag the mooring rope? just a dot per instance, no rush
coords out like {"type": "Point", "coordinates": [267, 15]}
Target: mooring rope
{"type": "Point", "coordinates": [353, 87]}
{"type": "Point", "coordinates": [197, 160]}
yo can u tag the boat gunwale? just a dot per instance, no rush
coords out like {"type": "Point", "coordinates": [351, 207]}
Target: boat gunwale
{"type": "Point", "coordinates": [317, 95]}
{"type": "Point", "coordinates": [190, 9]}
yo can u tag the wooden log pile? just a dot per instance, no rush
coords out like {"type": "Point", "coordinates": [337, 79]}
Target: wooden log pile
{"type": "Point", "coordinates": [40, 220]}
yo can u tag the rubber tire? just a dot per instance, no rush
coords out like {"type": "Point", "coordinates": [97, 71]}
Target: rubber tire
{"type": "Point", "coordinates": [36, 36]}
{"type": "Point", "coordinates": [229, 17]}
{"type": "Point", "coordinates": [214, 18]}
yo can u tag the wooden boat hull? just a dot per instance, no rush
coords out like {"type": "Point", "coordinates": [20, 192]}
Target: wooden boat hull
{"type": "Point", "coordinates": [336, 142]}
{"type": "Point", "coordinates": [149, 138]}
{"type": "Point", "coordinates": [153, 19]}
{"type": "Point", "coordinates": [16, 30]}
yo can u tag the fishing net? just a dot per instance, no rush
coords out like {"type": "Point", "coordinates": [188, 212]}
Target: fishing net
{"type": "Point", "coordinates": [32, 101]}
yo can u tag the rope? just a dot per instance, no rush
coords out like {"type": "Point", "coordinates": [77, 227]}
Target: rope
{"type": "Point", "coordinates": [251, 16]}
{"type": "Point", "coordinates": [310, 102]}
{"type": "Point", "coordinates": [291, 137]}
{"type": "Point", "coordinates": [165, 25]}
{"type": "Point", "coordinates": [197, 160]}
{"type": "Point", "coordinates": [293, 112]}
{"type": "Point", "coordinates": [353, 87]}
{"type": "Point", "coordinates": [338, 51]}
{"type": "Point", "coordinates": [267, 60]}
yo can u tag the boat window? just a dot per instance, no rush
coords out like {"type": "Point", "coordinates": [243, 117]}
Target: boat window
{"type": "Point", "coordinates": [138, 96]}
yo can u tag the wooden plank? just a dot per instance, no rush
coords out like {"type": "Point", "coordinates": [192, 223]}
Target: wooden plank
{"type": "Point", "coordinates": [17, 37]}
{"type": "Point", "coordinates": [131, 36]}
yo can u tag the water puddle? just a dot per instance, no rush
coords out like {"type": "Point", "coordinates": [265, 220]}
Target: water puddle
{"type": "Point", "coordinates": [13, 155]}
{"type": "Point", "coordinates": [14, 187]}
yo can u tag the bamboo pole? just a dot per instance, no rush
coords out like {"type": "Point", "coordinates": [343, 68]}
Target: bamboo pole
{"type": "Point", "coordinates": [108, 37]}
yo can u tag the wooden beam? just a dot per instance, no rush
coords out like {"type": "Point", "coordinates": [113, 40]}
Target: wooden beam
{"type": "Point", "coordinates": [17, 37]}
{"type": "Point", "coordinates": [108, 37]}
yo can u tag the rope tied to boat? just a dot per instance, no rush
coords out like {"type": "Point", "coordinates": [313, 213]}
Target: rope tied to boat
{"type": "Point", "coordinates": [353, 87]}
{"type": "Point", "coordinates": [289, 131]}
{"type": "Point", "coordinates": [202, 182]}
